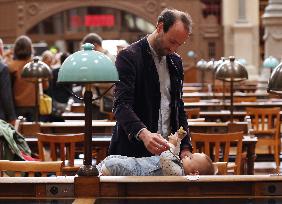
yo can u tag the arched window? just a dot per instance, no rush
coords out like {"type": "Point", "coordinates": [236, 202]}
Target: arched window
{"type": "Point", "coordinates": [92, 19]}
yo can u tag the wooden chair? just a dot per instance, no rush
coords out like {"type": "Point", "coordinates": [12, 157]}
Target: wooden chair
{"type": "Point", "coordinates": [217, 146]}
{"type": "Point", "coordinates": [237, 127]}
{"type": "Point", "coordinates": [191, 99]}
{"type": "Point", "coordinates": [266, 126]}
{"type": "Point", "coordinates": [61, 147]}
{"type": "Point", "coordinates": [192, 113]}
{"type": "Point", "coordinates": [28, 129]}
{"type": "Point", "coordinates": [221, 168]}
{"type": "Point", "coordinates": [31, 167]}
{"type": "Point", "coordinates": [219, 88]}
{"type": "Point", "coordinates": [239, 99]}
{"type": "Point", "coordinates": [77, 108]}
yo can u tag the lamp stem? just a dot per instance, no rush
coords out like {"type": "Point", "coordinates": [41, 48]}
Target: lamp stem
{"type": "Point", "coordinates": [37, 100]}
{"type": "Point", "coordinates": [213, 83]}
{"type": "Point", "coordinates": [87, 169]}
{"type": "Point", "coordinates": [88, 128]}
{"type": "Point", "coordinates": [223, 96]}
{"type": "Point", "coordinates": [231, 90]}
{"type": "Point", "coordinates": [231, 100]}
{"type": "Point", "coordinates": [203, 79]}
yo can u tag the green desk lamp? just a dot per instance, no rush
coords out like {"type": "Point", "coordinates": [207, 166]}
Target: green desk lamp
{"type": "Point", "coordinates": [86, 67]}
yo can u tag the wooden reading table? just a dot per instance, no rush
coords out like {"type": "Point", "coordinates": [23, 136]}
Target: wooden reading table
{"type": "Point", "coordinates": [239, 88]}
{"type": "Point", "coordinates": [72, 126]}
{"type": "Point", "coordinates": [224, 115]}
{"type": "Point", "coordinates": [77, 126]}
{"type": "Point", "coordinates": [218, 105]}
{"type": "Point", "coordinates": [141, 188]}
{"type": "Point", "coordinates": [208, 95]}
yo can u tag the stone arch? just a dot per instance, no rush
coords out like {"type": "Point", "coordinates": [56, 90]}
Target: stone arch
{"type": "Point", "coordinates": [62, 6]}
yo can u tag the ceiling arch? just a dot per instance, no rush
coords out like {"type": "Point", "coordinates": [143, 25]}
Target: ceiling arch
{"type": "Point", "coordinates": [63, 6]}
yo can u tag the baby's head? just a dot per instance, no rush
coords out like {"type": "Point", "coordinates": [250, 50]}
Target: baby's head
{"type": "Point", "coordinates": [198, 163]}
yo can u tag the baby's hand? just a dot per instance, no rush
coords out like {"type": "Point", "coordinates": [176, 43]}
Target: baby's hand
{"type": "Point", "coordinates": [181, 133]}
{"type": "Point", "coordinates": [172, 139]}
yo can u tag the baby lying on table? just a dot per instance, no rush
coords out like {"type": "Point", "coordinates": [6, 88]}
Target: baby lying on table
{"type": "Point", "coordinates": [167, 163]}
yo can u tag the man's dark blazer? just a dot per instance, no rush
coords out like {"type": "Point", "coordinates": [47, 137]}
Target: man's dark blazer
{"type": "Point", "coordinates": [137, 99]}
{"type": "Point", "coordinates": [7, 109]}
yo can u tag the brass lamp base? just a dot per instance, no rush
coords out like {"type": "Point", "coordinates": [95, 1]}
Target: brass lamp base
{"type": "Point", "coordinates": [88, 170]}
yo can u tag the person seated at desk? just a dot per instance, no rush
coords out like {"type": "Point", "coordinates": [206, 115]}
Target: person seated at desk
{"type": "Point", "coordinates": [167, 163]}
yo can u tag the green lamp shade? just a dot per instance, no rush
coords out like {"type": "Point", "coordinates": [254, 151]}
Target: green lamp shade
{"type": "Point", "coordinates": [191, 54]}
{"type": "Point", "coordinates": [275, 81]}
{"type": "Point", "coordinates": [242, 61]}
{"type": "Point", "coordinates": [87, 66]}
{"type": "Point", "coordinates": [270, 62]}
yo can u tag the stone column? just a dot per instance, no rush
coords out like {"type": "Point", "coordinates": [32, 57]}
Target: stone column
{"type": "Point", "coordinates": [245, 35]}
{"type": "Point", "coordinates": [272, 21]}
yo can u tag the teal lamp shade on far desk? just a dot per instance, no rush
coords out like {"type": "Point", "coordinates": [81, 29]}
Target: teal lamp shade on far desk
{"type": "Point", "coordinates": [270, 62]}
{"type": "Point", "coordinates": [88, 66]}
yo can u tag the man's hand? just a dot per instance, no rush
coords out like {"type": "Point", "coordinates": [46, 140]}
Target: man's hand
{"type": "Point", "coordinates": [153, 142]}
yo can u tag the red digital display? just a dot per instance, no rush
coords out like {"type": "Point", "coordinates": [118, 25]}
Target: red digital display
{"type": "Point", "coordinates": [106, 20]}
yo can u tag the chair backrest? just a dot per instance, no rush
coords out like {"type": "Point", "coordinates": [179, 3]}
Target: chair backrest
{"type": "Point", "coordinates": [265, 120]}
{"type": "Point", "coordinates": [191, 99]}
{"type": "Point", "coordinates": [62, 147]}
{"type": "Point", "coordinates": [77, 108]}
{"type": "Point", "coordinates": [219, 88]}
{"type": "Point", "coordinates": [192, 113]}
{"type": "Point", "coordinates": [238, 99]}
{"type": "Point", "coordinates": [217, 146]}
{"type": "Point", "coordinates": [221, 168]}
{"type": "Point", "coordinates": [238, 127]}
{"type": "Point", "coordinates": [266, 126]}
{"type": "Point", "coordinates": [29, 129]}
{"type": "Point", "coordinates": [31, 167]}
